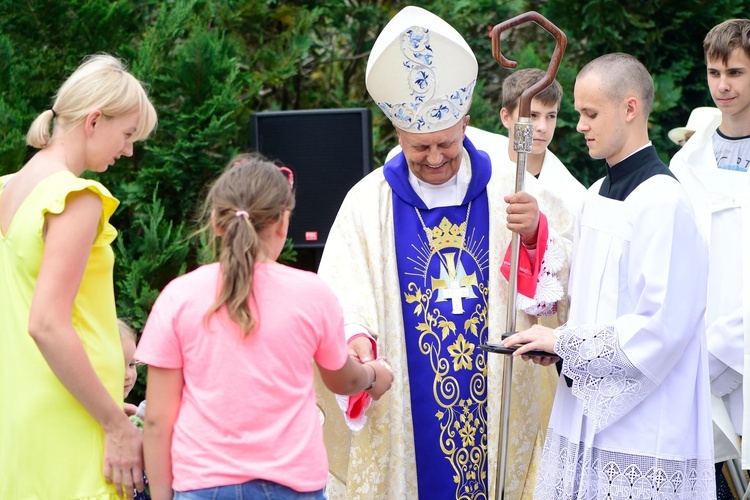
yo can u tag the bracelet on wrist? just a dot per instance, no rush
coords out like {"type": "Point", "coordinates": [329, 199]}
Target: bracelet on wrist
{"type": "Point", "coordinates": [374, 377]}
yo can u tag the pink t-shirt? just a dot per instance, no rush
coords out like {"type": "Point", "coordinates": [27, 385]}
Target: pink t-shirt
{"type": "Point", "coordinates": [248, 405]}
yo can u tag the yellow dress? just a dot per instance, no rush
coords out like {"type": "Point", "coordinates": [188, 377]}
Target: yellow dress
{"type": "Point", "coordinates": [50, 447]}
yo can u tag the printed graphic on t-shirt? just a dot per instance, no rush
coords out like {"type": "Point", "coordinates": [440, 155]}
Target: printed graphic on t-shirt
{"type": "Point", "coordinates": [732, 153]}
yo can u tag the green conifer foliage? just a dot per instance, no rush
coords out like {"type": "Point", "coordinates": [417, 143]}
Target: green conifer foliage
{"type": "Point", "coordinates": [210, 64]}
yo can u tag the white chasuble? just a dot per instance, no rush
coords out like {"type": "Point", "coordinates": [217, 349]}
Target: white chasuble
{"type": "Point", "coordinates": [360, 264]}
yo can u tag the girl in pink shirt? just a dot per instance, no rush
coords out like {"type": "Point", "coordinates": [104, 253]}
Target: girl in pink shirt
{"type": "Point", "coordinates": [230, 347]}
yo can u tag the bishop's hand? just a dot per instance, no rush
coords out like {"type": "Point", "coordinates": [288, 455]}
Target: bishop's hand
{"type": "Point", "coordinates": [523, 216]}
{"type": "Point", "coordinates": [360, 349]}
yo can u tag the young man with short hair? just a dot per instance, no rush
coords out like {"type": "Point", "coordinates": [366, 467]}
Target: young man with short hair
{"type": "Point", "coordinates": [634, 419]}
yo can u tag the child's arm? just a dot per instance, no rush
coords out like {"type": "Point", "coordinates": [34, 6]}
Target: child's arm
{"type": "Point", "coordinates": [375, 377]}
{"type": "Point", "coordinates": [164, 396]}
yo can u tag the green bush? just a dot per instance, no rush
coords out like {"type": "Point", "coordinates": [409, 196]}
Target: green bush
{"type": "Point", "coordinates": [210, 64]}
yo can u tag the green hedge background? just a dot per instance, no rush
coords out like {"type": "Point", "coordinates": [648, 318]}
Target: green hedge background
{"type": "Point", "coordinates": [210, 64]}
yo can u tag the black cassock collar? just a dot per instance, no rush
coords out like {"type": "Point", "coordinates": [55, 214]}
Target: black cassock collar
{"type": "Point", "coordinates": [624, 177]}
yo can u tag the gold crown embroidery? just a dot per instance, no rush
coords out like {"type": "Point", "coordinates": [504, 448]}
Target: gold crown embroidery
{"type": "Point", "coordinates": [447, 235]}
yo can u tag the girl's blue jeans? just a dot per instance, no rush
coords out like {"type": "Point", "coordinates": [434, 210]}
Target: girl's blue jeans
{"type": "Point", "coordinates": [251, 490]}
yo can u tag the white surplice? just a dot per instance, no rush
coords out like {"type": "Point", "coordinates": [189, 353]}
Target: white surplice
{"type": "Point", "coordinates": [636, 422]}
{"type": "Point", "coordinates": [722, 203]}
{"type": "Point", "coordinates": [359, 263]}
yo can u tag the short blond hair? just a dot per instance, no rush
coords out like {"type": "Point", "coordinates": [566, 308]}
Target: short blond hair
{"type": "Point", "coordinates": [126, 331]}
{"type": "Point", "coordinates": [622, 74]}
{"type": "Point", "coordinates": [101, 82]}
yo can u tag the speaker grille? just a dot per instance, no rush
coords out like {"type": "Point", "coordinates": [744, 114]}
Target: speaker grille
{"type": "Point", "coordinates": [328, 150]}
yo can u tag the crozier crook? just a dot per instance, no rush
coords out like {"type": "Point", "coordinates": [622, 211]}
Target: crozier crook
{"type": "Point", "coordinates": [523, 131]}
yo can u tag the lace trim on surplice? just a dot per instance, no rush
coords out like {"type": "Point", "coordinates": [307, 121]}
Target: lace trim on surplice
{"type": "Point", "coordinates": [549, 289]}
{"type": "Point", "coordinates": [604, 379]}
{"type": "Point", "coordinates": [571, 471]}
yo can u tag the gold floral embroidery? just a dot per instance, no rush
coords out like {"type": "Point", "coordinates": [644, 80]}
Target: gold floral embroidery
{"type": "Point", "coordinates": [462, 417]}
{"type": "Point", "coordinates": [468, 431]}
{"type": "Point", "coordinates": [461, 352]}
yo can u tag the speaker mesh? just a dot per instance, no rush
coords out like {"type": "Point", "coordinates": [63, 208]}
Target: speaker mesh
{"type": "Point", "coordinates": [328, 150]}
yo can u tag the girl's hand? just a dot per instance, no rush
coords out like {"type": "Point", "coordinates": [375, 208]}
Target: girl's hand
{"type": "Point", "coordinates": [383, 378]}
{"type": "Point", "coordinates": [130, 409]}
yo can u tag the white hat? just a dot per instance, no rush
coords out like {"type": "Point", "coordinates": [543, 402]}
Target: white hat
{"type": "Point", "coordinates": [421, 72]}
{"type": "Point", "coordinates": [699, 118]}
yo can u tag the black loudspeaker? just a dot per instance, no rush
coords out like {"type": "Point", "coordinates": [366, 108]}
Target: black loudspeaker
{"type": "Point", "coordinates": [329, 150]}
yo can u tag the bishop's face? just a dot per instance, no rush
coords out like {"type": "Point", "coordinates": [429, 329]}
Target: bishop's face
{"type": "Point", "coordinates": [434, 157]}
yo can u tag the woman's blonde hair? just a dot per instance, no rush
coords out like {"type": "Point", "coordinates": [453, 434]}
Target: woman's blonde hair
{"type": "Point", "coordinates": [249, 197]}
{"type": "Point", "coordinates": [101, 82]}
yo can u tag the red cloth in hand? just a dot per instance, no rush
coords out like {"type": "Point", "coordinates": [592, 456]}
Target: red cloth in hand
{"type": "Point", "coordinates": [358, 403]}
{"type": "Point", "coordinates": [528, 272]}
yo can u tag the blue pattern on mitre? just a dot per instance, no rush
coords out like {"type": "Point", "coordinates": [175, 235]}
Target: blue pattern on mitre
{"type": "Point", "coordinates": [438, 67]}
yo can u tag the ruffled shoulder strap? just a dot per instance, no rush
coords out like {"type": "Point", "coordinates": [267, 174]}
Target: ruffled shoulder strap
{"type": "Point", "coordinates": [66, 183]}
{"type": "Point", "coordinates": [54, 195]}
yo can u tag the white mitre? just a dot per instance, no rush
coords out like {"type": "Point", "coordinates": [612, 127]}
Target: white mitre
{"type": "Point", "coordinates": [421, 72]}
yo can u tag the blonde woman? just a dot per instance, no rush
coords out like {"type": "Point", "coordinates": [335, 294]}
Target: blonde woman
{"type": "Point", "coordinates": [65, 434]}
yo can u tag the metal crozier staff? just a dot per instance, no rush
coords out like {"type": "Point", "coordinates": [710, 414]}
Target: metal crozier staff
{"type": "Point", "coordinates": [523, 133]}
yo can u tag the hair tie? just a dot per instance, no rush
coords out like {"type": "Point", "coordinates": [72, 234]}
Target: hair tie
{"type": "Point", "coordinates": [242, 213]}
{"type": "Point", "coordinates": [54, 113]}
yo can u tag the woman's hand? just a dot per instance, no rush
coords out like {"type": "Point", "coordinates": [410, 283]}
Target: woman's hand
{"type": "Point", "coordinates": [130, 409]}
{"type": "Point", "coordinates": [123, 457]}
